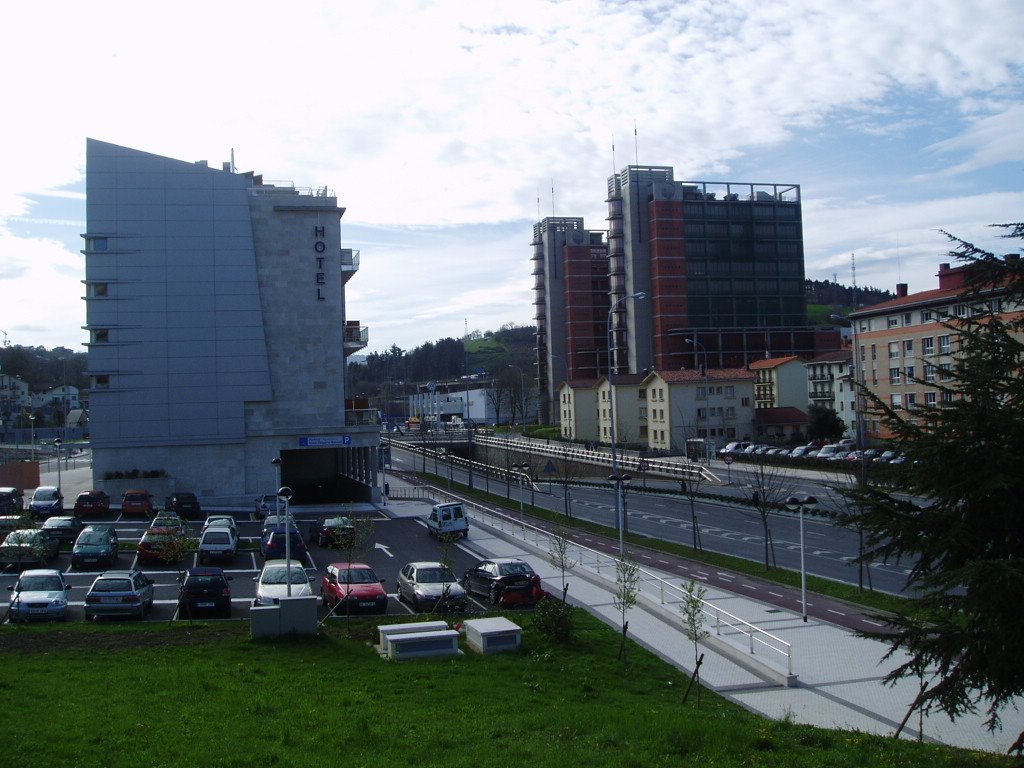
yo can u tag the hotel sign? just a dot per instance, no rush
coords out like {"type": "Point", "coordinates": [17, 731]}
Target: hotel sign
{"type": "Point", "coordinates": [319, 248]}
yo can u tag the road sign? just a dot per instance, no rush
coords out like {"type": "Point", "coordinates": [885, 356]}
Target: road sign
{"type": "Point", "coordinates": [728, 458]}
{"type": "Point", "coordinates": [641, 466]}
{"type": "Point", "coordinates": [550, 469]}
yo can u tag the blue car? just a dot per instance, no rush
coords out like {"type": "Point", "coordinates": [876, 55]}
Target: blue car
{"type": "Point", "coordinates": [40, 593]}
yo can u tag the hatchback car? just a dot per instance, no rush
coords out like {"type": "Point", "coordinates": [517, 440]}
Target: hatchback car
{"type": "Point", "coordinates": [336, 532]}
{"type": "Point", "coordinates": [11, 501]}
{"type": "Point", "coordinates": [274, 543]}
{"type": "Point", "coordinates": [185, 504]}
{"type": "Point", "coordinates": [504, 580]}
{"type": "Point", "coordinates": [119, 593]}
{"type": "Point", "coordinates": [64, 529]}
{"type": "Point", "coordinates": [429, 586]}
{"type": "Point", "coordinates": [170, 520]}
{"type": "Point", "coordinates": [96, 547]}
{"type": "Point", "coordinates": [353, 588]}
{"type": "Point", "coordinates": [273, 582]}
{"type": "Point", "coordinates": [39, 594]}
{"type": "Point", "coordinates": [267, 504]}
{"type": "Point", "coordinates": [46, 500]}
{"type": "Point", "coordinates": [160, 545]}
{"type": "Point", "coordinates": [217, 544]}
{"type": "Point", "coordinates": [92, 503]}
{"type": "Point", "coordinates": [27, 548]}
{"type": "Point", "coordinates": [205, 591]}
{"type": "Point", "coordinates": [137, 501]}
{"type": "Point", "coordinates": [220, 521]}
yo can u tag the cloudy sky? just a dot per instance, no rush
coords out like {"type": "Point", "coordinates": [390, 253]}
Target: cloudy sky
{"type": "Point", "coordinates": [447, 128]}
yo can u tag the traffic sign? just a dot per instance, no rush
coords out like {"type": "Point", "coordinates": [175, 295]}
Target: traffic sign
{"type": "Point", "coordinates": [728, 458]}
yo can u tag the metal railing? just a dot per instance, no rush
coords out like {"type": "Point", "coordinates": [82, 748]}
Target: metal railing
{"type": "Point", "coordinates": [653, 587]}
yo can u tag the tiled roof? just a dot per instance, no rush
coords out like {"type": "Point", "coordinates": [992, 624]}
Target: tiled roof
{"type": "Point", "coordinates": [773, 362]}
{"type": "Point", "coordinates": [714, 374]}
{"type": "Point", "coordinates": [779, 416]}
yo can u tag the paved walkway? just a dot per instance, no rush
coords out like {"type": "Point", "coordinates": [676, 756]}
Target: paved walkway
{"type": "Point", "coordinates": [838, 675]}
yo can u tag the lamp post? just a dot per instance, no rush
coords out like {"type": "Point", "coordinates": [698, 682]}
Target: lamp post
{"type": "Point", "coordinates": [277, 499]}
{"type": "Point", "coordinates": [520, 470]}
{"type": "Point", "coordinates": [32, 425]}
{"type": "Point", "coordinates": [707, 399]}
{"type": "Point", "coordinates": [57, 442]}
{"type": "Point", "coordinates": [793, 504]}
{"type": "Point", "coordinates": [285, 493]}
{"type": "Point", "coordinates": [620, 521]}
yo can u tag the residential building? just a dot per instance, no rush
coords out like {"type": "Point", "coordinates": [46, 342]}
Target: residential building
{"type": "Point", "coordinates": [907, 346]}
{"type": "Point", "coordinates": [719, 265]}
{"type": "Point", "coordinates": [577, 410]}
{"type": "Point", "coordinates": [781, 382]}
{"type": "Point", "coordinates": [621, 396]}
{"type": "Point", "coordinates": [696, 412]}
{"type": "Point", "coordinates": [830, 385]}
{"type": "Point", "coordinates": [215, 306]}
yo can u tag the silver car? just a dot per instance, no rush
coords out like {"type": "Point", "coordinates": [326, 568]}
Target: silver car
{"type": "Point", "coordinates": [119, 593]}
{"type": "Point", "coordinates": [217, 543]}
{"type": "Point", "coordinates": [431, 586]}
{"type": "Point", "coordinates": [40, 593]}
{"type": "Point", "coordinates": [273, 582]}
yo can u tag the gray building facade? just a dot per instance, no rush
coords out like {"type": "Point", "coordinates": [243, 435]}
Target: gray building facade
{"type": "Point", "coordinates": [215, 306]}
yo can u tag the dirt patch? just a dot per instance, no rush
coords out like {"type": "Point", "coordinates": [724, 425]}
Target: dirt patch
{"type": "Point", "coordinates": [92, 639]}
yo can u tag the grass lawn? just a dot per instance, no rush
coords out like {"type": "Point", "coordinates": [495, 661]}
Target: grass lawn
{"type": "Point", "coordinates": [137, 695]}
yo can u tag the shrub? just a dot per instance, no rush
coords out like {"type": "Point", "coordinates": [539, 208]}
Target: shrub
{"type": "Point", "coordinates": [554, 619]}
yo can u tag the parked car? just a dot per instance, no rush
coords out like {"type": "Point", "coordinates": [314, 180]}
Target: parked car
{"type": "Point", "coordinates": [220, 521]}
{"type": "Point", "coordinates": [431, 585]}
{"type": "Point", "coordinates": [41, 593]}
{"type": "Point", "coordinates": [171, 521]}
{"type": "Point", "coordinates": [273, 543]}
{"type": "Point", "coordinates": [11, 501]}
{"type": "Point", "coordinates": [801, 451]}
{"type": "Point", "coordinates": [46, 500]}
{"type": "Point", "coordinates": [217, 543]}
{"type": "Point", "coordinates": [353, 588]}
{"type": "Point", "coordinates": [95, 546]}
{"type": "Point", "coordinates": [160, 545]}
{"type": "Point", "coordinates": [27, 548]}
{"type": "Point", "coordinates": [448, 520]}
{"type": "Point", "coordinates": [185, 504]}
{"type": "Point", "coordinates": [64, 528]}
{"type": "Point", "coordinates": [885, 457]}
{"type": "Point", "coordinates": [267, 504]}
{"type": "Point", "coordinates": [504, 580]}
{"type": "Point", "coordinates": [828, 451]}
{"type": "Point", "coordinates": [119, 593]}
{"type": "Point", "coordinates": [733, 447]}
{"type": "Point", "coordinates": [205, 591]}
{"type": "Point", "coordinates": [273, 521]}
{"type": "Point", "coordinates": [272, 583]}
{"type": "Point", "coordinates": [336, 532]}
{"type": "Point", "coordinates": [137, 501]}
{"type": "Point", "coordinates": [93, 502]}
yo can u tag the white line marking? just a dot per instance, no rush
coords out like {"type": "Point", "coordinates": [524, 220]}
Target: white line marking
{"type": "Point", "coordinates": [837, 613]}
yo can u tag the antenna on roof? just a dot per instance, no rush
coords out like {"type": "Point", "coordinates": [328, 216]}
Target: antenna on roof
{"type": "Point", "coordinates": [613, 154]}
{"type": "Point", "coordinates": [552, 197]}
{"type": "Point", "coordinates": [636, 144]}
{"type": "Point", "coordinates": [233, 168]}
{"type": "Point", "coordinates": [538, 205]}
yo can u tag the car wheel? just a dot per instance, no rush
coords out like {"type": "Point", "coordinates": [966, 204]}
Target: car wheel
{"type": "Point", "coordinates": [495, 594]}
{"type": "Point", "coordinates": [465, 534]}
{"type": "Point", "coordinates": [398, 594]}
{"type": "Point", "coordinates": [89, 616]}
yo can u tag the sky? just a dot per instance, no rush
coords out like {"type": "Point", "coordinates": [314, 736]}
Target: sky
{"type": "Point", "coordinates": [447, 129]}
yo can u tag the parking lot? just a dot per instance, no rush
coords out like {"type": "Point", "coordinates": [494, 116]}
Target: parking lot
{"type": "Point", "coordinates": [393, 542]}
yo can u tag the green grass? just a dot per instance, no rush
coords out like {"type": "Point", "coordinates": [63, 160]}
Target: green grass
{"type": "Point", "coordinates": [153, 695]}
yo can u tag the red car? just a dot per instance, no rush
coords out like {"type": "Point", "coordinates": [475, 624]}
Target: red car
{"type": "Point", "coordinates": [137, 501]}
{"type": "Point", "coordinates": [93, 502]}
{"type": "Point", "coordinates": [159, 545]}
{"type": "Point", "coordinates": [353, 588]}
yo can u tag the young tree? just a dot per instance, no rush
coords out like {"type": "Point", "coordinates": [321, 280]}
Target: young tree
{"type": "Point", "coordinates": [627, 580]}
{"type": "Point", "coordinates": [770, 481]}
{"type": "Point", "coordinates": [559, 555]}
{"type": "Point", "coordinates": [965, 542]}
{"type": "Point", "coordinates": [692, 608]}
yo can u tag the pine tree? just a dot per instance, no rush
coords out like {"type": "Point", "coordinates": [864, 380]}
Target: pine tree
{"type": "Point", "coordinates": [965, 632]}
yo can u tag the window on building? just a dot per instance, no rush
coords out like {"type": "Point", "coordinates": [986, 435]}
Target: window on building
{"type": "Point", "coordinates": [893, 321]}
{"type": "Point", "coordinates": [97, 290]}
{"type": "Point", "coordinates": [928, 345]}
{"type": "Point", "coordinates": [908, 347]}
{"type": "Point", "coordinates": [962, 310]}
{"type": "Point", "coordinates": [730, 412]}
{"type": "Point", "coordinates": [945, 371]}
{"type": "Point", "coordinates": [96, 243]}
{"type": "Point", "coordinates": [874, 352]}
{"type": "Point", "coordinates": [947, 397]}
{"type": "Point", "coordinates": [945, 344]}
{"type": "Point", "coordinates": [911, 399]}
{"type": "Point", "coordinates": [909, 373]}
{"type": "Point", "coordinates": [929, 372]}
{"type": "Point", "coordinates": [907, 318]}
{"type": "Point", "coordinates": [894, 350]}
{"type": "Point", "coordinates": [100, 336]}
{"type": "Point", "coordinates": [894, 375]}
{"type": "Point", "coordinates": [101, 381]}
{"type": "Point", "coordinates": [730, 391]}
{"type": "Point", "coordinates": [926, 316]}
{"type": "Point", "coordinates": [702, 394]}
{"type": "Point", "coordinates": [995, 306]}
{"type": "Point", "coordinates": [745, 402]}
{"type": "Point", "coordinates": [929, 398]}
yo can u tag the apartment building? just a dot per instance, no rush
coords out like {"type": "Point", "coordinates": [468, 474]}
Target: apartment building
{"type": "Point", "coordinates": [830, 385]}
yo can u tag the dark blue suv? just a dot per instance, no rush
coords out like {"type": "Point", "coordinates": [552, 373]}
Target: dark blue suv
{"type": "Point", "coordinates": [272, 545]}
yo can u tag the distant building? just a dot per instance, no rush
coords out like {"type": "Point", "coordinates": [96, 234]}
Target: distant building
{"type": "Point", "coordinates": [218, 336]}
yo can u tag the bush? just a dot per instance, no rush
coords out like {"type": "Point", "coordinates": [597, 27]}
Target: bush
{"type": "Point", "coordinates": [554, 619]}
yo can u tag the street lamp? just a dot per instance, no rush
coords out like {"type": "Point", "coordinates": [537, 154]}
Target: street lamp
{"type": "Point", "coordinates": [521, 469]}
{"type": "Point", "coordinates": [707, 399]}
{"type": "Point", "coordinates": [32, 424]}
{"type": "Point", "coordinates": [619, 519]}
{"type": "Point", "coordinates": [793, 504]}
{"type": "Point", "coordinates": [57, 442]}
{"type": "Point", "coordinates": [277, 500]}
{"type": "Point", "coordinates": [621, 482]}
{"type": "Point", "coordinates": [286, 493]}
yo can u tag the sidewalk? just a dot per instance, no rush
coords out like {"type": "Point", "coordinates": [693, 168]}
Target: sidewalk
{"type": "Point", "coordinates": [839, 675]}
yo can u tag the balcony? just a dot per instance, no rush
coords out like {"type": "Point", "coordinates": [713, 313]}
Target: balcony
{"type": "Point", "coordinates": [349, 264]}
{"type": "Point", "coordinates": [356, 337]}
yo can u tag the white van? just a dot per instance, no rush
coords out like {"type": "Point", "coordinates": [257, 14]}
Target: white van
{"type": "Point", "coordinates": [448, 520]}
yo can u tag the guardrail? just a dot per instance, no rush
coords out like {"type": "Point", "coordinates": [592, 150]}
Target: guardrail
{"type": "Point", "coordinates": [658, 589]}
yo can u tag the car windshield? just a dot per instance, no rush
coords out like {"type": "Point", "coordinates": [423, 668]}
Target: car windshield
{"type": "Point", "coordinates": [515, 569]}
{"type": "Point", "coordinates": [44, 495]}
{"type": "Point", "coordinates": [40, 584]}
{"type": "Point", "coordinates": [278, 574]}
{"type": "Point", "coordinates": [92, 538]}
{"type": "Point", "coordinates": [135, 497]}
{"type": "Point", "coordinates": [434, 575]}
{"type": "Point", "coordinates": [112, 585]}
{"type": "Point", "coordinates": [59, 522]}
{"type": "Point", "coordinates": [356, 576]}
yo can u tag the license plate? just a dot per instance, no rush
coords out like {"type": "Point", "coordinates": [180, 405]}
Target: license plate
{"type": "Point", "coordinates": [204, 605]}
{"type": "Point", "coordinates": [37, 610]}
{"type": "Point", "coordinates": [367, 604]}
{"type": "Point", "coordinates": [110, 600]}
{"type": "Point", "coordinates": [90, 559]}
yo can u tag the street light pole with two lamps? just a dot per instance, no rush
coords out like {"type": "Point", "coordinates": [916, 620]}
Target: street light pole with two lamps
{"type": "Point", "coordinates": [793, 504]}
{"type": "Point", "coordinates": [620, 521]}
